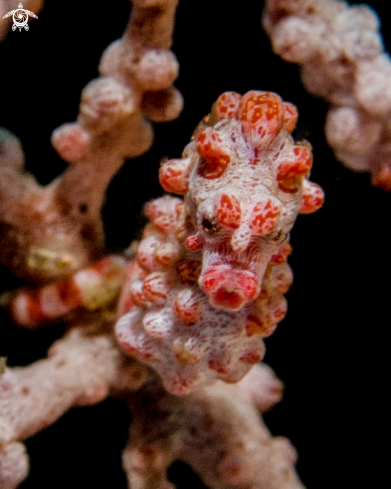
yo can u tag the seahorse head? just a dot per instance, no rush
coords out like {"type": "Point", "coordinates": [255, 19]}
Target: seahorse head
{"type": "Point", "coordinates": [244, 183]}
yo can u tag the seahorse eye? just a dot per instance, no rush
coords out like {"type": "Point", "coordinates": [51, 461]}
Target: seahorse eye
{"type": "Point", "coordinates": [207, 225]}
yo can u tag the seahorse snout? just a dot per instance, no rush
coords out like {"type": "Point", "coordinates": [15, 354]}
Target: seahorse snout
{"type": "Point", "coordinates": [229, 289]}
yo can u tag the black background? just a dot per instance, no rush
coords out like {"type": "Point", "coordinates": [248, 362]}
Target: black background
{"type": "Point", "coordinates": [331, 350]}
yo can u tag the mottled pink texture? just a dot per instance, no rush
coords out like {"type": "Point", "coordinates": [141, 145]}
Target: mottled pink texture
{"type": "Point", "coordinates": [206, 287]}
{"type": "Point", "coordinates": [216, 430]}
{"type": "Point", "coordinates": [341, 54]}
{"type": "Point", "coordinates": [49, 232]}
{"type": "Point", "coordinates": [90, 288]}
{"type": "Point", "coordinates": [210, 275]}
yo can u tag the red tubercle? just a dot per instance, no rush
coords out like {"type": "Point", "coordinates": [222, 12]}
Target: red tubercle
{"type": "Point", "coordinates": [69, 293]}
{"type": "Point", "coordinates": [218, 365]}
{"type": "Point", "coordinates": [146, 252]}
{"type": "Point", "coordinates": [261, 115]}
{"type": "Point", "coordinates": [185, 353]}
{"type": "Point", "coordinates": [127, 347]}
{"type": "Point", "coordinates": [254, 161]}
{"type": "Point", "coordinates": [381, 177]}
{"type": "Point", "coordinates": [136, 293]}
{"type": "Point", "coordinates": [188, 270]}
{"type": "Point", "coordinates": [156, 287]}
{"type": "Point", "coordinates": [254, 325]}
{"type": "Point", "coordinates": [251, 357]}
{"type": "Point", "coordinates": [277, 307]}
{"type": "Point", "coordinates": [188, 307]}
{"type": "Point", "coordinates": [279, 314]}
{"type": "Point", "coordinates": [290, 172]}
{"type": "Point", "coordinates": [162, 213]}
{"type": "Point", "coordinates": [133, 273]}
{"type": "Point", "coordinates": [164, 223]}
{"type": "Point", "coordinates": [282, 254]}
{"type": "Point", "coordinates": [168, 253]}
{"type": "Point", "coordinates": [227, 105]}
{"type": "Point", "coordinates": [215, 157]}
{"type": "Point", "coordinates": [71, 141]}
{"type": "Point", "coordinates": [290, 116]}
{"type": "Point", "coordinates": [264, 294]}
{"type": "Point", "coordinates": [211, 280]}
{"type": "Point", "coordinates": [174, 176]}
{"type": "Point", "coordinates": [146, 356]}
{"type": "Point", "coordinates": [312, 198]}
{"type": "Point", "coordinates": [228, 212]}
{"type": "Point", "coordinates": [257, 324]}
{"type": "Point", "coordinates": [34, 310]}
{"type": "Point", "coordinates": [194, 242]}
{"type": "Point", "coordinates": [264, 217]}
{"type": "Point", "coordinates": [283, 282]}
{"type": "Point", "coordinates": [179, 208]}
{"type": "Point", "coordinates": [179, 386]}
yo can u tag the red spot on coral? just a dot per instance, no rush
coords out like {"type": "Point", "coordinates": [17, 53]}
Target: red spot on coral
{"type": "Point", "coordinates": [215, 157]}
{"type": "Point", "coordinates": [279, 314]}
{"type": "Point", "coordinates": [312, 198]}
{"type": "Point", "coordinates": [162, 213]}
{"type": "Point", "coordinates": [71, 142]}
{"type": "Point", "coordinates": [194, 243]}
{"type": "Point", "coordinates": [290, 173]}
{"type": "Point", "coordinates": [254, 161]}
{"type": "Point", "coordinates": [179, 209]}
{"type": "Point", "coordinates": [188, 270]}
{"type": "Point", "coordinates": [147, 356]}
{"type": "Point", "coordinates": [282, 254]}
{"type": "Point", "coordinates": [218, 365]}
{"type": "Point", "coordinates": [187, 307]}
{"type": "Point", "coordinates": [381, 177]}
{"type": "Point", "coordinates": [34, 310]}
{"type": "Point", "coordinates": [283, 283]}
{"type": "Point", "coordinates": [228, 211]}
{"type": "Point", "coordinates": [156, 287]}
{"type": "Point", "coordinates": [185, 353]}
{"type": "Point", "coordinates": [251, 357]}
{"type": "Point", "coordinates": [69, 293]}
{"type": "Point", "coordinates": [227, 105]}
{"type": "Point", "coordinates": [264, 217]}
{"type": "Point", "coordinates": [133, 273]}
{"type": "Point", "coordinates": [263, 294]}
{"type": "Point", "coordinates": [174, 176]}
{"type": "Point", "coordinates": [290, 116]}
{"type": "Point", "coordinates": [126, 346]}
{"type": "Point", "coordinates": [254, 325]}
{"type": "Point", "coordinates": [137, 295]}
{"type": "Point", "coordinates": [261, 114]}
